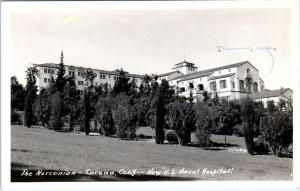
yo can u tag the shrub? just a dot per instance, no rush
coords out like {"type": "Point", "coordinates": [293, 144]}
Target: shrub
{"type": "Point", "coordinates": [238, 130]}
{"type": "Point", "coordinates": [277, 131]}
{"type": "Point", "coordinates": [125, 117]}
{"type": "Point", "coordinates": [261, 146]}
{"type": "Point", "coordinates": [204, 120]}
{"type": "Point", "coordinates": [181, 118]}
{"type": "Point", "coordinates": [55, 121]}
{"type": "Point", "coordinates": [14, 117]}
{"type": "Point", "coordinates": [171, 136]}
{"type": "Point", "coordinates": [42, 107]}
{"type": "Point", "coordinates": [104, 116]}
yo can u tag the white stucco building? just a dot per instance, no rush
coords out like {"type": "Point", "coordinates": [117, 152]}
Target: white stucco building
{"type": "Point", "coordinates": [48, 70]}
{"type": "Point", "coordinates": [232, 81]}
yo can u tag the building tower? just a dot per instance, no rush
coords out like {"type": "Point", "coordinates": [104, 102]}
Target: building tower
{"type": "Point", "coordinates": [185, 67]}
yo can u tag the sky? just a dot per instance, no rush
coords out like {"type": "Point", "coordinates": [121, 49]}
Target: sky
{"type": "Point", "coordinates": [152, 41]}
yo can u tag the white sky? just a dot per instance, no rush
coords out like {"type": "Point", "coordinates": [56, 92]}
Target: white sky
{"type": "Point", "coordinates": [152, 41]}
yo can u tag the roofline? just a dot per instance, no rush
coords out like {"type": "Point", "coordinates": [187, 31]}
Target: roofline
{"type": "Point", "coordinates": [195, 76]}
{"type": "Point", "coordinates": [250, 64]}
{"type": "Point", "coordinates": [102, 71]}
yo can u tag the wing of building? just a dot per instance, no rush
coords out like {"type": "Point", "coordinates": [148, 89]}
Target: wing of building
{"type": "Point", "coordinates": [232, 81]}
{"type": "Point", "coordinates": [48, 70]}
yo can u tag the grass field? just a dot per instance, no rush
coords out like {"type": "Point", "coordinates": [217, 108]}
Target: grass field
{"type": "Point", "coordinates": [36, 149]}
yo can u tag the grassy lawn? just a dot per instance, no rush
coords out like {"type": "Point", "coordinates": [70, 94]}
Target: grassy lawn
{"type": "Point", "coordinates": [35, 149]}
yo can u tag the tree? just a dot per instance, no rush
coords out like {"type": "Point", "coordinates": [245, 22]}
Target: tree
{"type": "Point", "coordinates": [55, 122]}
{"type": "Point", "coordinates": [276, 129]}
{"type": "Point", "coordinates": [104, 116]}
{"type": "Point", "coordinates": [17, 94]}
{"type": "Point", "coordinates": [204, 119]}
{"type": "Point", "coordinates": [60, 80]}
{"type": "Point", "coordinates": [89, 76]}
{"type": "Point", "coordinates": [31, 90]}
{"type": "Point", "coordinates": [43, 107]}
{"type": "Point", "coordinates": [181, 118]}
{"type": "Point", "coordinates": [71, 99]}
{"type": "Point", "coordinates": [158, 110]}
{"type": "Point", "coordinates": [121, 84]}
{"type": "Point", "coordinates": [146, 83]}
{"type": "Point", "coordinates": [248, 116]}
{"type": "Point", "coordinates": [124, 117]}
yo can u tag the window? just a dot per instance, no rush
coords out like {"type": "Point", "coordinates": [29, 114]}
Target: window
{"type": "Point", "coordinates": [191, 86]}
{"type": "Point", "coordinates": [223, 84]}
{"type": "Point", "coordinates": [102, 76]}
{"type": "Point", "coordinates": [45, 80]}
{"type": "Point", "coordinates": [200, 87]}
{"type": "Point", "coordinates": [115, 78]}
{"type": "Point", "coordinates": [242, 87]}
{"type": "Point", "coordinates": [213, 86]}
{"type": "Point", "coordinates": [49, 80]}
{"type": "Point", "coordinates": [232, 85]}
{"type": "Point", "coordinates": [200, 79]}
{"type": "Point", "coordinates": [220, 72]}
{"type": "Point", "coordinates": [45, 70]}
{"type": "Point", "coordinates": [80, 83]}
{"type": "Point", "coordinates": [255, 85]}
{"type": "Point", "coordinates": [229, 70]}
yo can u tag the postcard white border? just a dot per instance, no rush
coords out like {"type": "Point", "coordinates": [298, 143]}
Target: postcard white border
{"type": "Point", "coordinates": [6, 9]}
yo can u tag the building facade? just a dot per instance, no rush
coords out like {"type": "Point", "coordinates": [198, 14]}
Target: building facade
{"type": "Point", "coordinates": [232, 81]}
{"type": "Point", "coordinates": [49, 70]}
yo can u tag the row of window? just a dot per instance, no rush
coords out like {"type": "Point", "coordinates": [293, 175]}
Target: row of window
{"type": "Point", "coordinates": [223, 85]}
{"type": "Point", "coordinates": [48, 71]}
{"type": "Point", "coordinates": [47, 80]}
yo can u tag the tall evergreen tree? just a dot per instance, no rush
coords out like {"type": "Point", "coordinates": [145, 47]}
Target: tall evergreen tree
{"type": "Point", "coordinates": [60, 79]}
{"type": "Point", "coordinates": [31, 90]}
{"type": "Point", "coordinates": [248, 116]}
{"type": "Point", "coordinates": [17, 94]}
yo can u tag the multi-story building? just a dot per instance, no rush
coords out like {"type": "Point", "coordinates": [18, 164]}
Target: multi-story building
{"type": "Point", "coordinates": [48, 70]}
{"type": "Point", "coordinates": [232, 81]}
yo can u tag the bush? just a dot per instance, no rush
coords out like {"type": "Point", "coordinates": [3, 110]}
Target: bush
{"type": "Point", "coordinates": [238, 130]}
{"type": "Point", "coordinates": [171, 136]}
{"type": "Point", "coordinates": [277, 131]}
{"type": "Point", "coordinates": [181, 118]}
{"type": "Point", "coordinates": [14, 117]}
{"type": "Point", "coordinates": [104, 116]}
{"type": "Point", "coordinates": [261, 146]}
{"type": "Point", "coordinates": [55, 121]}
{"type": "Point", "coordinates": [204, 120]}
{"type": "Point", "coordinates": [125, 117]}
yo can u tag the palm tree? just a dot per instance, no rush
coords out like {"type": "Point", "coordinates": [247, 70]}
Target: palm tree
{"type": "Point", "coordinates": [146, 80]}
{"type": "Point", "coordinates": [89, 76]}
